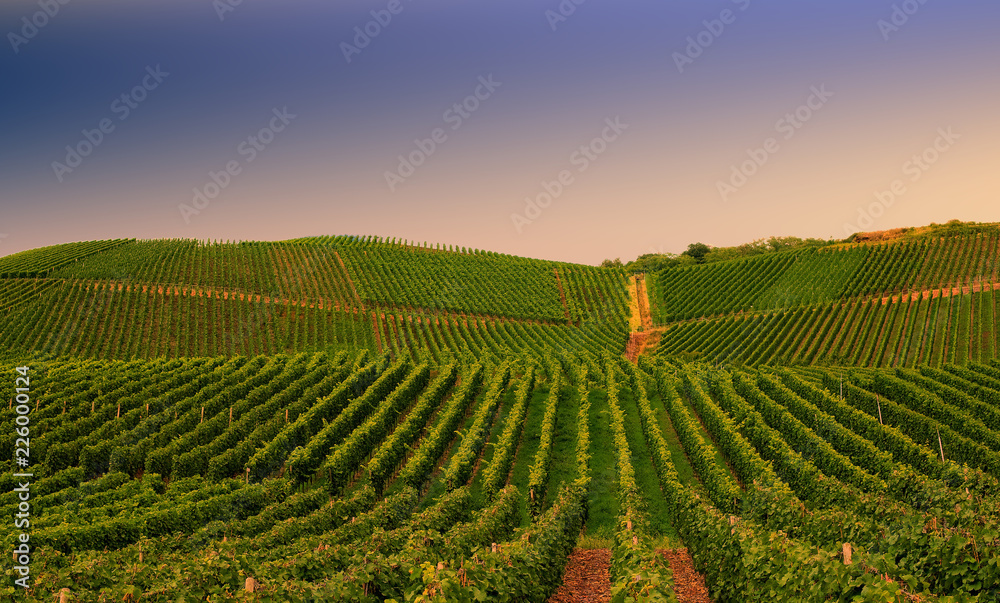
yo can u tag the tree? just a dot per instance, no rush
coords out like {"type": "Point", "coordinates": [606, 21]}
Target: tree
{"type": "Point", "coordinates": [698, 251]}
{"type": "Point", "coordinates": [616, 263]}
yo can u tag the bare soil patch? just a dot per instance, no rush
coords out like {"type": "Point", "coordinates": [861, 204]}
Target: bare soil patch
{"type": "Point", "coordinates": [587, 579]}
{"type": "Point", "coordinates": [689, 584]}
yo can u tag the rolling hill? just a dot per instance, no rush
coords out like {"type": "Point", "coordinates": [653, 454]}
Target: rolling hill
{"type": "Point", "coordinates": [350, 418]}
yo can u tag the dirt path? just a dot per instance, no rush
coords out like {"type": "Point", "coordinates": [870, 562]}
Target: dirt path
{"type": "Point", "coordinates": [642, 343]}
{"type": "Point", "coordinates": [562, 293]}
{"type": "Point", "coordinates": [644, 336]}
{"type": "Point", "coordinates": [587, 579]}
{"type": "Point", "coordinates": [378, 336]}
{"type": "Point", "coordinates": [636, 343]}
{"type": "Point", "coordinates": [180, 290]}
{"type": "Point", "coordinates": [689, 584]}
{"type": "Point", "coordinates": [643, 301]}
{"type": "Point", "coordinates": [320, 303]}
{"type": "Point", "coordinates": [347, 276]}
{"type": "Point", "coordinates": [652, 340]}
{"type": "Point", "coordinates": [635, 316]}
{"type": "Point", "coordinates": [941, 292]}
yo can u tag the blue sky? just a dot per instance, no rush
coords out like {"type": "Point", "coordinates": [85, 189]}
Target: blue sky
{"type": "Point", "coordinates": [699, 89]}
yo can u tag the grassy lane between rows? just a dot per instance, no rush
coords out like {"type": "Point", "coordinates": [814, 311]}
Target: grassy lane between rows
{"type": "Point", "coordinates": [563, 466]}
{"type": "Point", "coordinates": [486, 456]}
{"type": "Point", "coordinates": [685, 471]}
{"type": "Point", "coordinates": [530, 438]}
{"type": "Point", "coordinates": [602, 500]}
{"type": "Point", "coordinates": [645, 473]}
{"type": "Point", "coordinates": [437, 485]}
{"type": "Point", "coordinates": [720, 459]}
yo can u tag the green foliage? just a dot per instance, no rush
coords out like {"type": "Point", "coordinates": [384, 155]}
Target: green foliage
{"type": "Point", "coordinates": [331, 461]}
{"type": "Point", "coordinates": [698, 251]}
{"type": "Point", "coordinates": [459, 469]}
{"type": "Point", "coordinates": [539, 477]}
{"type": "Point", "coordinates": [419, 466]}
{"type": "Point", "coordinates": [40, 262]}
{"type": "Point", "coordinates": [495, 475]}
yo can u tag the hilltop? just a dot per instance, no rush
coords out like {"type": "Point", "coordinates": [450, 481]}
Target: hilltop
{"type": "Point", "coordinates": [700, 253]}
{"type": "Point", "coordinates": [194, 298]}
{"type": "Point", "coordinates": [350, 418]}
{"type": "Point", "coordinates": [901, 297]}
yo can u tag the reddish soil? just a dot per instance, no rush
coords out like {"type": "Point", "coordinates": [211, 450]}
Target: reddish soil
{"type": "Point", "coordinates": [929, 293]}
{"type": "Point", "coordinates": [586, 579]}
{"type": "Point", "coordinates": [183, 290]}
{"type": "Point", "coordinates": [689, 584]}
{"type": "Point", "coordinates": [347, 276]}
{"type": "Point", "coordinates": [378, 337]}
{"type": "Point", "coordinates": [643, 298]}
{"type": "Point", "coordinates": [222, 294]}
{"type": "Point", "coordinates": [640, 342]}
{"type": "Point", "coordinates": [652, 340]}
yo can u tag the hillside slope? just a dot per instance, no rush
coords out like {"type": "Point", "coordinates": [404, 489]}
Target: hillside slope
{"type": "Point", "coordinates": [896, 303]}
{"type": "Point", "coordinates": [177, 298]}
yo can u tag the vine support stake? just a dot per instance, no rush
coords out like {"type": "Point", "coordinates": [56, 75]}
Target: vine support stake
{"type": "Point", "coordinates": [202, 415]}
{"type": "Point", "coordinates": [879, 403]}
{"type": "Point", "coordinates": [940, 445]}
{"type": "Point", "coordinates": [847, 553]}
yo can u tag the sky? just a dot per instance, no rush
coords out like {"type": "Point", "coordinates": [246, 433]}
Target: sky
{"type": "Point", "coordinates": [571, 130]}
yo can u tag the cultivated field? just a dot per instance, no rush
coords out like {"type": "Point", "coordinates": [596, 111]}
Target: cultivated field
{"type": "Point", "coordinates": [344, 418]}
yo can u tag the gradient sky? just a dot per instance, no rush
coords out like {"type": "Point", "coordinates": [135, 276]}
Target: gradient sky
{"type": "Point", "coordinates": [653, 188]}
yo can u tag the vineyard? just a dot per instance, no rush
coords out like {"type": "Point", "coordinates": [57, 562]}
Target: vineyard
{"type": "Point", "coordinates": [355, 419]}
{"type": "Point", "coordinates": [930, 302]}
